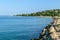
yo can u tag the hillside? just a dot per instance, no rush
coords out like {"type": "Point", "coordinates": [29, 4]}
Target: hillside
{"type": "Point", "coordinates": [54, 12]}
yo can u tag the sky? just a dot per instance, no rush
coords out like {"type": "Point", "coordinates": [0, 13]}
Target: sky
{"type": "Point", "coordinates": [13, 7]}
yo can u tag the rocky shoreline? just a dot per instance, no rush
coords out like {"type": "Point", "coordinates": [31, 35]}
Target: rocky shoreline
{"type": "Point", "coordinates": [52, 31]}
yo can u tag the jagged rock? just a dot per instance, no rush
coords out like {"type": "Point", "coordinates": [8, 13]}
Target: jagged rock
{"type": "Point", "coordinates": [52, 31]}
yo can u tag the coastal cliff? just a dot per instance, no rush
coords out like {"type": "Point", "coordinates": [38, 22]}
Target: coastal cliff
{"type": "Point", "coordinates": [52, 31]}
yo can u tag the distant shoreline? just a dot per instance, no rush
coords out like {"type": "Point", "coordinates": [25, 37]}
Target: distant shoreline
{"type": "Point", "coordinates": [54, 12]}
{"type": "Point", "coordinates": [40, 16]}
{"type": "Point", "coordinates": [45, 16]}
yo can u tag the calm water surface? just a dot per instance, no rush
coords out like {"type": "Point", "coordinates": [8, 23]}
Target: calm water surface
{"type": "Point", "coordinates": [21, 28]}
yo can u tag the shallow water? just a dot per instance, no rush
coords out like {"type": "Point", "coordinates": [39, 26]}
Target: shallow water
{"type": "Point", "coordinates": [21, 28]}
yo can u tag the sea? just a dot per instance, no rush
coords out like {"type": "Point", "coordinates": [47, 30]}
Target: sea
{"type": "Point", "coordinates": [22, 27]}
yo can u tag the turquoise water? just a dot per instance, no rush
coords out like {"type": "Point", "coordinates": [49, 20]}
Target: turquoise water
{"type": "Point", "coordinates": [21, 28]}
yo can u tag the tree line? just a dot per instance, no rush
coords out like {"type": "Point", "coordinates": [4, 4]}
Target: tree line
{"type": "Point", "coordinates": [54, 12]}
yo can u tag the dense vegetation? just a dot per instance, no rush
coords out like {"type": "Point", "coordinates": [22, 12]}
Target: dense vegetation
{"type": "Point", "coordinates": [54, 12]}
